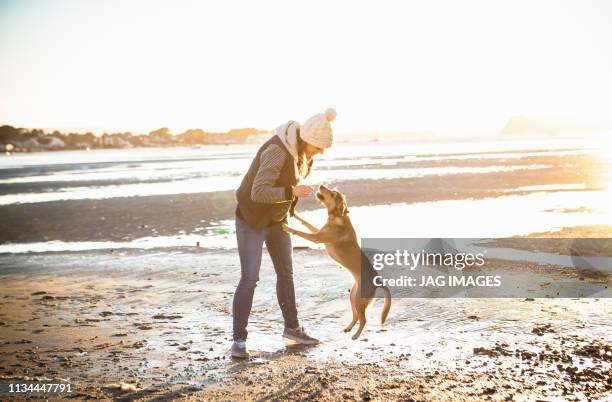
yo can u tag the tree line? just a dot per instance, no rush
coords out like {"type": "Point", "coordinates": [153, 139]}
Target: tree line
{"type": "Point", "coordinates": [26, 140]}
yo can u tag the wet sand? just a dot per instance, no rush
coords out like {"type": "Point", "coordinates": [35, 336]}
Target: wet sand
{"type": "Point", "coordinates": [161, 322]}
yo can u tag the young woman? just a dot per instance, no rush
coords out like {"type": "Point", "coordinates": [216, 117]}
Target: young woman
{"type": "Point", "coordinates": [267, 195]}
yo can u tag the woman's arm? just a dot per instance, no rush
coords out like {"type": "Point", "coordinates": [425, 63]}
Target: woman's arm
{"type": "Point", "coordinates": [271, 162]}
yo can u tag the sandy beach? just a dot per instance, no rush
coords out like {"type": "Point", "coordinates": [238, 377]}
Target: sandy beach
{"type": "Point", "coordinates": [155, 323]}
{"type": "Point", "coordinates": [162, 323]}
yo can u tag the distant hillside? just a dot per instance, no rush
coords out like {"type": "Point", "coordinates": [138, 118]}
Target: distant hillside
{"type": "Point", "coordinates": [524, 126]}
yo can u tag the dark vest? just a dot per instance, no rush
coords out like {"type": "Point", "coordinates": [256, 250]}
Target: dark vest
{"type": "Point", "coordinates": [259, 215]}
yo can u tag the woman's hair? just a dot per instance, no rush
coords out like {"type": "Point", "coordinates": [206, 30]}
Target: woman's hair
{"type": "Point", "coordinates": [303, 164]}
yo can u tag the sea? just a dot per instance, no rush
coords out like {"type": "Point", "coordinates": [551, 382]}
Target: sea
{"type": "Point", "coordinates": [44, 177]}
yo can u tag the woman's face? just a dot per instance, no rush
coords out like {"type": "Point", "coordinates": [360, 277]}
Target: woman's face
{"type": "Point", "coordinates": [312, 150]}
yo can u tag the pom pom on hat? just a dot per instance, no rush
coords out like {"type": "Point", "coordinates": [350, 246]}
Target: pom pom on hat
{"type": "Point", "coordinates": [317, 130]}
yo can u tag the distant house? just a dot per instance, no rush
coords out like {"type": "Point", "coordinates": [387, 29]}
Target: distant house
{"type": "Point", "coordinates": [50, 142]}
{"type": "Point", "coordinates": [142, 140]}
{"type": "Point", "coordinates": [106, 140]}
{"type": "Point", "coordinates": [114, 141]}
{"type": "Point", "coordinates": [27, 143]}
{"type": "Point", "coordinates": [122, 143]}
{"type": "Point", "coordinates": [84, 145]}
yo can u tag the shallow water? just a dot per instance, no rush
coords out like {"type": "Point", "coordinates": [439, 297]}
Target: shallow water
{"type": "Point", "coordinates": [225, 183]}
{"type": "Point", "coordinates": [489, 217]}
{"type": "Point", "coordinates": [100, 174]}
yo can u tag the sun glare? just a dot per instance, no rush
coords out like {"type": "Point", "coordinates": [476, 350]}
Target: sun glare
{"type": "Point", "coordinates": [450, 67]}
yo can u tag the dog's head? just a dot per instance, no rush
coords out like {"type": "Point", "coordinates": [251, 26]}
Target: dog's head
{"type": "Point", "coordinates": [334, 201]}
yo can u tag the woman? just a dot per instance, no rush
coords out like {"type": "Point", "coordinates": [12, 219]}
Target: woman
{"type": "Point", "coordinates": [267, 195]}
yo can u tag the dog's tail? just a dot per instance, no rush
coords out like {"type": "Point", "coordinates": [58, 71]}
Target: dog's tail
{"type": "Point", "coordinates": [387, 305]}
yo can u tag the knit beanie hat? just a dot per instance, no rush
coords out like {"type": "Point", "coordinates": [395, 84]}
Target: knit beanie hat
{"type": "Point", "coordinates": [317, 131]}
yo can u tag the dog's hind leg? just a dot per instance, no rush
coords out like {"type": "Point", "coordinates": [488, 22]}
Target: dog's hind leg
{"type": "Point", "coordinates": [353, 321]}
{"type": "Point", "coordinates": [354, 308]}
{"type": "Point", "coordinates": [361, 309]}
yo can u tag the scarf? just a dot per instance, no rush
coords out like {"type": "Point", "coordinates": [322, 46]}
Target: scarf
{"type": "Point", "coordinates": [289, 137]}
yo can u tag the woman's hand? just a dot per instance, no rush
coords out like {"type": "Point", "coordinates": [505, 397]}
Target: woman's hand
{"type": "Point", "coordinates": [302, 191]}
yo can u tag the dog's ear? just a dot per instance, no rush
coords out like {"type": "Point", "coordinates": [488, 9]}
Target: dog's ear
{"type": "Point", "coordinates": [344, 204]}
{"type": "Point", "coordinates": [340, 201]}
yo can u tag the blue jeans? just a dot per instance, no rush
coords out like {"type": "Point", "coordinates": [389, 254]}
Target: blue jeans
{"type": "Point", "coordinates": [250, 248]}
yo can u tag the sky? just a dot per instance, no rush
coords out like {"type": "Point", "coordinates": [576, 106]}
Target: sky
{"type": "Point", "coordinates": [386, 66]}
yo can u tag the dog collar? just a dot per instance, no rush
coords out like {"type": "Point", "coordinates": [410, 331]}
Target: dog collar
{"type": "Point", "coordinates": [338, 216]}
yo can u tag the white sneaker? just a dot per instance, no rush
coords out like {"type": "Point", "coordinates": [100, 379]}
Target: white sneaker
{"type": "Point", "coordinates": [239, 350]}
{"type": "Point", "coordinates": [299, 335]}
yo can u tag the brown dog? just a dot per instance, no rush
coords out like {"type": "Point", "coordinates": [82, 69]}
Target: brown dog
{"type": "Point", "coordinates": [341, 244]}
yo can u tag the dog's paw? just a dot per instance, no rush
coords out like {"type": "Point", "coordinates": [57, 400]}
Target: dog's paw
{"type": "Point", "coordinates": [347, 329]}
{"type": "Point", "coordinates": [354, 337]}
